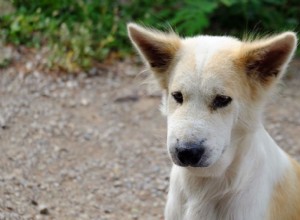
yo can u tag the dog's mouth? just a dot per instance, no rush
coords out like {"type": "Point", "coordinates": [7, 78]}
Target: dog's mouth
{"type": "Point", "coordinates": [200, 165]}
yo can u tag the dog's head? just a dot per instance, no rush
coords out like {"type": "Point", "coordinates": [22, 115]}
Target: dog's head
{"type": "Point", "coordinates": [215, 88]}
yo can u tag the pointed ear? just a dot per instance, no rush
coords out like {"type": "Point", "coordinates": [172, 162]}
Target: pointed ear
{"type": "Point", "coordinates": [266, 60]}
{"type": "Point", "coordinates": [158, 49]}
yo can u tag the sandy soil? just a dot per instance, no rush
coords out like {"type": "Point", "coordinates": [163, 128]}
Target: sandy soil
{"type": "Point", "coordinates": [93, 146]}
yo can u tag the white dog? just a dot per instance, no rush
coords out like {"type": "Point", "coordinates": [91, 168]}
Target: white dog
{"type": "Point", "coordinates": [226, 166]}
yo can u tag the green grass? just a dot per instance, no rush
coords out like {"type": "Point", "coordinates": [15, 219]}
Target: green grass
{"type": "Point", "coordinates": [81, 32]}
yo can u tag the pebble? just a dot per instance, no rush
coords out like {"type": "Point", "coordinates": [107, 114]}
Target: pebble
{"type": "Point", "coordinates": [84, 102]}
{"type": "Point", "coordinates": [43, 209]}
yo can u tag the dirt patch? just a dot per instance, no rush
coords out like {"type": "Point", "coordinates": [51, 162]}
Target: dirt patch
{"type": "Point", "coordinates": [93, 146]}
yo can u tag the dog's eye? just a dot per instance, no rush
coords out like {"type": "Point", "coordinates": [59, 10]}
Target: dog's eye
{"type": "Point", "coordinates": [221, 101]}
{"type": "Point", "coordinates": [177, 96]}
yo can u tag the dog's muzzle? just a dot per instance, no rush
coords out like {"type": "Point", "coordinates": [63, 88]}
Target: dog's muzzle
{"type": "Point", "coordinates": [190, 154]}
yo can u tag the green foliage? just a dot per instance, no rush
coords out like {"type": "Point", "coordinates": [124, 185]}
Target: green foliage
{"type": "Point", "coordinates": [80, 32]}
{"type": "Point", "coordinates": [266, 16]}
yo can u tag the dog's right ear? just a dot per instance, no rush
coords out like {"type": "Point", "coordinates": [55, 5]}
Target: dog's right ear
{"type": "Point", "coordinates": [266, 60]}
{"type": "Point", "coordinates": [158, 49]}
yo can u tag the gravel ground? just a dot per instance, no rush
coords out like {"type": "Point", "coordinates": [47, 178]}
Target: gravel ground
{"type": "Point", "coordinates": [93, 146]}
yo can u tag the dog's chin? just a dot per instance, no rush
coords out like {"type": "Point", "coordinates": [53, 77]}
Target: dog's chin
{"type": "Point", "coordinates": [208, 169]}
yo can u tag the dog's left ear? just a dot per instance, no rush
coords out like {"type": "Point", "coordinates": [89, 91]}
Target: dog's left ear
{"type": "Point", "coordinates": [158, 49]}
{"type": "Point", "coordinates": [266, 60]}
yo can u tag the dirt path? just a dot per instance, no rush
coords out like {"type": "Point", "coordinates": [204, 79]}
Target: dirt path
{"type": "Point", "coordinates": [92, 147]}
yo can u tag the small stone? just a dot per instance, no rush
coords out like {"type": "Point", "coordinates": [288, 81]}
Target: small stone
{"type": "Point", "coordinates": [56, 148]}
{"type": "Point", "coordinates": [44, 210]}
{"type": "Point", "coordinates": [93, 72]}
{"type": "Point", "coordinates": [107, 211]}
{"type": "Point", "coordinates": [84, 102]}
{"type": "Point", "coordinates": [71, 84]}
{"type": "Point", "coordinates": [33, 202]}
{"type": "Point", "coordinates": [117, 183]}
{"type": "Point", "coordinates": [3, 124]}
{"type": "Point", "coordinates": [29, 65]}
{"type": "Point", "coordinates": [87, 136]}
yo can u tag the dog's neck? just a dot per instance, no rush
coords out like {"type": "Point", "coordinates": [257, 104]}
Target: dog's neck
{"type": "Point", "coordinates": [254, 170]}
{"type": "Point", "coordinates": [255, 151]}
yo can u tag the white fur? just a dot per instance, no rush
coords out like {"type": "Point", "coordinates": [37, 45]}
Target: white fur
{"type": "Point", "coordinates": [243, 165]}
{"type": "Point", "coordinates": [243, 195]}
{"type": "Point", "coordinates": [239, 184]}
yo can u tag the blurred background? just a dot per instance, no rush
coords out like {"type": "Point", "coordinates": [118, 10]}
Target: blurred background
{"type": "Point", "coordinates": [81, 137]}
{"type": "Point", "coordinates": [79, 32]}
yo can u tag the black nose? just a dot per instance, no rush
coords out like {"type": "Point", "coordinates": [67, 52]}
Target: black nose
{"type": "Point", "coordinates": [190, 154]}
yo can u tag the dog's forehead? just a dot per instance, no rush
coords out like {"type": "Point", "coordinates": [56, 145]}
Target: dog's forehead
{"type": "Point", "coordinates": [206, 47]}
{"type": "Point", "coordinates": [204, 62]}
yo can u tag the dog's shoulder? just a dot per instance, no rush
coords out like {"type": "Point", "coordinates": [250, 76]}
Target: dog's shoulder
{"type": "Point", "coordinates": [286, 195]}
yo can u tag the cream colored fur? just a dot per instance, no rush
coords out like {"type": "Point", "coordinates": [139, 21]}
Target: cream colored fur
{"type": "Point", "coordinates": [246, 175]}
